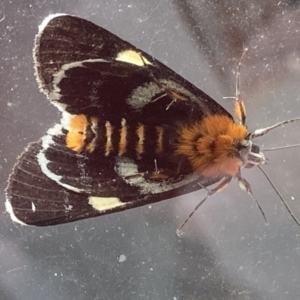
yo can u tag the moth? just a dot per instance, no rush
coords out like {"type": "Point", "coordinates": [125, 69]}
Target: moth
{"type": "Point", "coordinates": [132, 132]}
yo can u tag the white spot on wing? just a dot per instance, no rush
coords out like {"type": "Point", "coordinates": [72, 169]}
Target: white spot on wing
{"type": "Point", "coordinates": [68, 207]}
{"type": "Point", "coordinates": [143, 95]}
{"type": "Point", "coordinates": [128, 170]}
{"type": "Point", "coordinates": [33, 207]}
{"type": "Point", "coordinates": [104, 203]}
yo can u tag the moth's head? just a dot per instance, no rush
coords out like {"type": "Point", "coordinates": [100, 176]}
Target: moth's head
{"type": "Point", "coordinates": [82, 133]}
{"type": "Point", "coordinates": [250, 154]}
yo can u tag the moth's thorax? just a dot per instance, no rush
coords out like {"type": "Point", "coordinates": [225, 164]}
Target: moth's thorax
{"type": "Point", "coordinates": [217, 146]}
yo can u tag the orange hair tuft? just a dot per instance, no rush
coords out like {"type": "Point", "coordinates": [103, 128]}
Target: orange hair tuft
{"type": "Point", "coordinates": [211, 145]}
{"type": "Point", "coordinates": [76, 135]}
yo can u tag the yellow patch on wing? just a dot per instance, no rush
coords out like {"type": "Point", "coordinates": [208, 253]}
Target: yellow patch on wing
{"type": "Point", "coordinates": [133, 57]}
{"type": "Point", "coordinates": [104, 203]}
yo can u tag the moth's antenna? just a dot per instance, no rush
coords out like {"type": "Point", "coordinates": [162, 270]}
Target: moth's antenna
{"type": "Point", "coordinates": [238, 75]}
{"type": "Point", "coordinates": [263, 131]}
{"type": "Point", "coordinates": [239, 107]}
{"type": "Point", "coordinates": [279, 195]}
{"type": "Point", "coordinates": [280, 148]}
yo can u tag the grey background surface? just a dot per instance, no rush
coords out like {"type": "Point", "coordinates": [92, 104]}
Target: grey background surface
{"type": "Point", "coordinates": [226, 252]}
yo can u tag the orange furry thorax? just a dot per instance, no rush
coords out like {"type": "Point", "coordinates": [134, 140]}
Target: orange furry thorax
{"type": "Point", "coordinates": [210, 145]}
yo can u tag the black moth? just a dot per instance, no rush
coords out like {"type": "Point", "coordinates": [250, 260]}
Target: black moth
{"type": "Point", "coordinates": [132, 131]}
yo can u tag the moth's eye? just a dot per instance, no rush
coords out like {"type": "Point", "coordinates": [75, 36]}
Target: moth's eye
{"type": "Point", "coordinates": [244, 144]}
{"type": "Point", "coordinates": [255, 149]}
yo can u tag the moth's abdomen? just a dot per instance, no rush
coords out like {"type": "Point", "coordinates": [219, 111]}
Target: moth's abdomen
{"type": "Point", "coordinates": [122, 138]}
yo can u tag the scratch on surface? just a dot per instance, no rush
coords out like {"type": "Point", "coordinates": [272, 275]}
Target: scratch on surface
{"type": "Point", "coordinates": [17, 269]}
{"type": "Point", "coordinates": [151, 13]}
